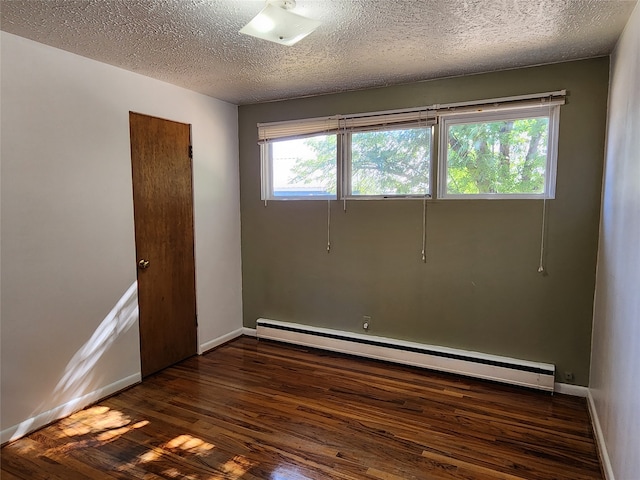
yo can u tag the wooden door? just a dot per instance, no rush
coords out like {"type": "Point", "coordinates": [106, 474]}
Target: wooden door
{"type": "Point", "coordinates": [163, 214]}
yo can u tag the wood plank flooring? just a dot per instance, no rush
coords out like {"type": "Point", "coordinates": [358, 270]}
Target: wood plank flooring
{"type": "Point", "coordinates": [259, 410]}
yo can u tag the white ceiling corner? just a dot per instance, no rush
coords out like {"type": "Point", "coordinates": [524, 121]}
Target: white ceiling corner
{"type": "Point", "coordinates": [360, 44]}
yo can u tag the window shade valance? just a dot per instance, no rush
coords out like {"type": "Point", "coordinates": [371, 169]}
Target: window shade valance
{"type": "Point", "coordinates": [422, 116]}
{"type": "Point", "coordinates": [342, 123]}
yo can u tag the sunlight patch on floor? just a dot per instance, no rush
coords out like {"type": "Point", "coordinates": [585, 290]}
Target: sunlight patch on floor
{"type": "Point", "coordinates": [22, 447]}
{"type": "Point", "coordinates": [234, 468]}
{"type": "Point", "coordinates": [189, 444]}
{"type": "Point", "coordinates": [91, 428]}
{"type": "Point", "coordinates": [150, 456]}
{"type": "Point", "coordinates": [112, 434]}
{"type": "Point", "coordinates": [175, 473]}
{"type": "Point", "coordinates": [92, 420]}
{"type": "Point", "coordinates": [98, 425]}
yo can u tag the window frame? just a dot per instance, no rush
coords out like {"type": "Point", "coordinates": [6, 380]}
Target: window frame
{"type": "Point", "coordinates": [550, 111]}
{"type": "Point", "coordinates": [545, 104]}
{"type": "Point", "coordinates": [266, 171]}
{"type": "Point", "coordinates": [347, 164]}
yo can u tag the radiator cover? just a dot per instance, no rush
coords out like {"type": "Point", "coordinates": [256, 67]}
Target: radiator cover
{"type": "Point", "coordinates": [473, 364]}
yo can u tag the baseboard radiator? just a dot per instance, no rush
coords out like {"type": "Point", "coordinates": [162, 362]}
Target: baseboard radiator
{"type": "Point", "coordinates": [473, 364]}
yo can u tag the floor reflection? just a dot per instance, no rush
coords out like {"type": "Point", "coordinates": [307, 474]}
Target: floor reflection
{"type": "Point", "coordinates": [287, 473]}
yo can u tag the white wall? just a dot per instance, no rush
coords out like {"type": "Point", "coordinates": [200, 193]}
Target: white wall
{"type": "Point", "coordinates": [615, 355]}
{"type": "Point", "coordinates": [69, 314]}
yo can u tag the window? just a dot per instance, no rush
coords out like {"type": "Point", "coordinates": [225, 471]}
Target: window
{"type": "Point", "coordinates": [507, 153]}
{"type": "Point", "coordinates": [387, 163]}
{"type": "Point", "coordinates": [299, 159]}
{"type": "Point", "coordinates": [300, 168]}
{"type": "Point", "coordinates": [501, 148]}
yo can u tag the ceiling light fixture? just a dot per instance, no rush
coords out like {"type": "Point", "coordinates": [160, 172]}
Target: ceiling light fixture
{"type": "Point", "coordinates": [277, 23]}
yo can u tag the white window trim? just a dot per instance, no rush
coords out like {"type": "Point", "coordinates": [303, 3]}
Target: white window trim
{"type": "Point", "coordinates": [550, 110]}
{"type": "Point", "coordinates": [346, 190]}
{"type": "Point", "coordinates": [266, 178]}
{"type": "Point", "coordinates": [405, 118]}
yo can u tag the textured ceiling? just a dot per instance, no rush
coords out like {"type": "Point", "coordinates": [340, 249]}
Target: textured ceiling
{"type": "Point", "coordinates": [361, 43]}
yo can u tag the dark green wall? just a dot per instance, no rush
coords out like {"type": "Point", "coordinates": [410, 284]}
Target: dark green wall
{"type": "Point", "coordinates": [480, 289]}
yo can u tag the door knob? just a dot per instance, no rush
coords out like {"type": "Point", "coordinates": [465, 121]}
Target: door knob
{"type": "Point", "coordinates": [143, 264]}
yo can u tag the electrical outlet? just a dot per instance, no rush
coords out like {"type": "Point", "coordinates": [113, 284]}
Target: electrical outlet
{"type": "Point", "coordinates": [568, 376]}
{"type": "Point", "coordinates": [366, 322]}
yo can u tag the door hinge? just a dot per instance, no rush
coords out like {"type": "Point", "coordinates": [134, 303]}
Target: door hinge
{"type": "Point", "coordinates": [190, 152]}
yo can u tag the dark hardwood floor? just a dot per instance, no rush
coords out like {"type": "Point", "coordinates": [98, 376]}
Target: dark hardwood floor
{"type": "Point", "coordinates": [260, 410]}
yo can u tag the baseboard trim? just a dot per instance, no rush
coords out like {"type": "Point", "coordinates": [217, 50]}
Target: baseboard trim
{"type": "Point", "coordinates": [216, 342]}
{"type": "Point", "coordinates": [249, 332]}
{"type": "Point", "coordinates": [462, 362]}
{"type": "Point", "coordinates": [573, 390]}
{"type": "Point", "coordinates": [605, 461]}
{"type": "Point", "coordinates": [45, 418]}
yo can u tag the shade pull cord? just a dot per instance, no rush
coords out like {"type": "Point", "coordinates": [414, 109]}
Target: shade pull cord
{"type": "Point", "coordinates": [265, 203]}
{"type": "Point", "coordinates": [541, 268]}
{"type": "Point", "coordinates": [424, 229]}
{"type": "Point", "coordinates": [544, 224]}
{"type": "Point", "coordinates": [328, 226]}
{"type": "Point", "coordinates": [344, 205]}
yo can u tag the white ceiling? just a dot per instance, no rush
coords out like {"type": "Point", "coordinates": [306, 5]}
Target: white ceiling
{"type": "Point", "coordinates": [360, 44]}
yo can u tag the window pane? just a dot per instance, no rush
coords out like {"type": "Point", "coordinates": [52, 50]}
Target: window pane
{"type": "Point", "coordinates": [392, 162]}
{"type": "Point", "coordinates": [498, 157]}
{"type": "Point", "coordinates": [304, 167]}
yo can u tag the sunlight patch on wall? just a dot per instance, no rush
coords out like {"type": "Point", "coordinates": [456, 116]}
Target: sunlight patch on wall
{"type": "Point", "coordinates": [75, 384]}
{"type": "Point", "coordinates": [77, 375]}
